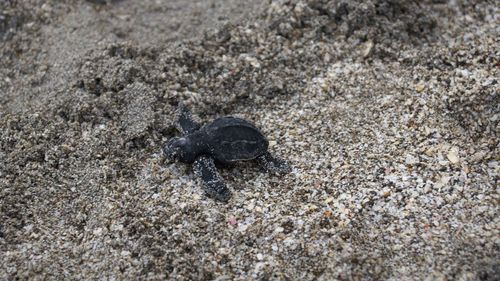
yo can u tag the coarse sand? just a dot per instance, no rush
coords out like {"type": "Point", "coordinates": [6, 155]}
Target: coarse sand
{"type": "Point", "coordinates": [388, 112]}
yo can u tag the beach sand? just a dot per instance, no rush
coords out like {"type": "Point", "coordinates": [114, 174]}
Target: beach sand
{"type": "Point", "coordinates": [388, 112]}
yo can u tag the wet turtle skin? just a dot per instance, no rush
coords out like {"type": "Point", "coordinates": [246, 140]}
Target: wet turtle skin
{"type": "Point", "coordinates": [224, 140]}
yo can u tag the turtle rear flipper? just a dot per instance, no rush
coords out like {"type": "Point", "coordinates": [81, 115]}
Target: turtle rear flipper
{"type": "Point", "coordinates": [204, 168]}
{"type": "Point", "coordinates": [274, 164]}
{"type": "Point", "coordinates": [185, 122]}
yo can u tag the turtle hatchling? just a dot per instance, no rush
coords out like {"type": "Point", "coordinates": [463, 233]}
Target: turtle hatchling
{"type": "Point", "coordinates": [225, 140]}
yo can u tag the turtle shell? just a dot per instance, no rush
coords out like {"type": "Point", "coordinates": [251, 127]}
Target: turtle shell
{"type": "Point", "coordinates": [232, 139]}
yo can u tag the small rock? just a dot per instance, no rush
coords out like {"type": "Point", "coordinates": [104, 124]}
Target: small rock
{"type": "Point", "coordinates": [479, 156]}
{"type": "Point", "coordinates": [386, 193]}
{"type": "Point", "coordinates": [429, 152]}
{"type": "Point", "coordinates": [250, 206]}
{"type": "Point", "coordinates": [243, 228]}
{"type": "Point", "coordinates": [411, 160]}
{"type": "Point", "coordinates": [453, 155]}
{"type": "Point", "coordinates": [97, 231]}
{"type": "Point", "coordinates": [290, 242]}
{"type": "Point", "coordinates": [279, 229]}
{"type": "Point", "coordinates": [223, 251]}
{"type": "Point", "coordinates": [368, 48]}
{"type": "Point", "coordinates": [253, 61]}
{"type": "Point", "coordinates": [232, 221]}
{"type": "Point", "coordinates": [443, 182]}
{"type": "Point", "coordinates": [312, 207]}
{"type": "Point", "coordinates": [67, 148]}
{"type": "Point", "coordinates": [420, 87]}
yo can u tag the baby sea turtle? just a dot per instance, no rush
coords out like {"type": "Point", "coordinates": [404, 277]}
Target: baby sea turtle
{"type": "Point", "coordinates": [225, 140]}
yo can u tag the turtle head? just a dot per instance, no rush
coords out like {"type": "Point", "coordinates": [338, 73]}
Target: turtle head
{"type": "Point", "coordinates": [179, 149]}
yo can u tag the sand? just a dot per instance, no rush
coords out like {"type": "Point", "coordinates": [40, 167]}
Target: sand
{"type": "Point", "coordinates": [388, 112]}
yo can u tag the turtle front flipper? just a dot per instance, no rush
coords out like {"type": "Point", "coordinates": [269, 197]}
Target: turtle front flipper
{"type": "Point", "coordinates": [204, 168]}
{"type": "Point", "coordinates": [185, 122]}
{"type": "Point", "coordinates": [274, 164]}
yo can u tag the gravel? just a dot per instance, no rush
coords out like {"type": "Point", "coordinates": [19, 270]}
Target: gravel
{"type": "Point", "coordinates": [387, 110]}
